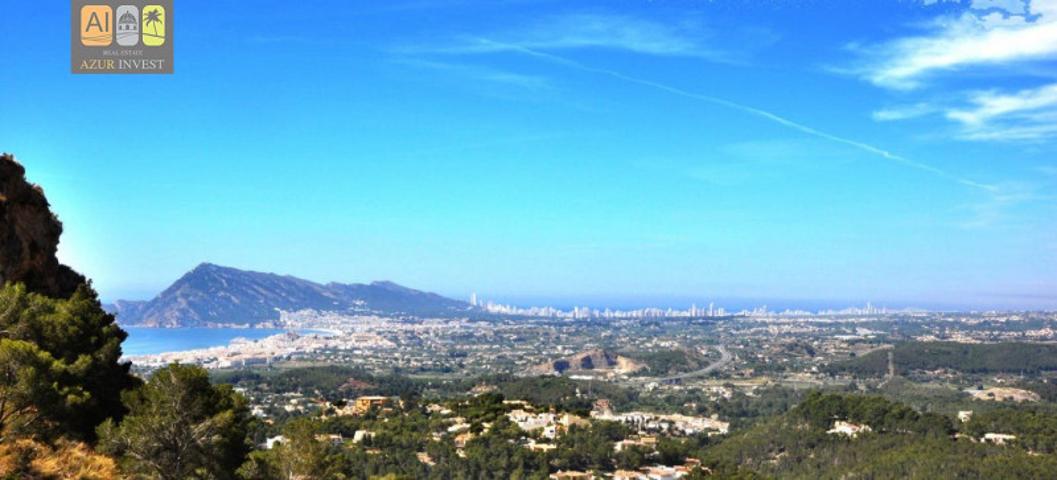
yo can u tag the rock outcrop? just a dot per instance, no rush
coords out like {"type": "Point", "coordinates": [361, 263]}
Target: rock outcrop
{"type": "Point", "coordinates": [29, 236]}
{"type": "Point", "coordinates": [590, 361]}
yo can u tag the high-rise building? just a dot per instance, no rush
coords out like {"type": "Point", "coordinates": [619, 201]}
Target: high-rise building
{"type": "Point", "coordinates": [473, 299]}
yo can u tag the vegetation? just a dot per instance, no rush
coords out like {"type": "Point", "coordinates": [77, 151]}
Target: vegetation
{"type": "Point", "coordinates": [820, 410]}
{"type": "Point", "coordinates": [331, 381]}
{"type": "Point", "coordinates": [60, 378]}
{"type": "Point", "coordinates": [1035, 430]}
{"type": "Point", "coordinates": [903, 444]}
{"type": "Point", "coordinates": [589, 448]}
{"type": "Point", "coordinates": [179, 426]}
{"type": "Point", "coordinates": [670, 361]}
{"type": "Point", "coordinates": [1046, 388]}
{"type": "Point", "coordinates": [59, 369]}
{"type": "Point", "coordinates": [26, 458]}
{"type": "Point", "coordinates": [561, 392]}
{"type": "Point", "coordinates": [299, 455]}
{"type": "Point", "coordinates": [963, 357]}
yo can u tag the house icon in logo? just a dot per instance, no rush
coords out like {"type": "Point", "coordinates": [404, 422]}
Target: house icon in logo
{"type": "Point", "coordinates": [127, 25]}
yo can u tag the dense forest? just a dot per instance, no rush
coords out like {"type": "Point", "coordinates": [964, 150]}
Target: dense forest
{"type": "Point", "coordinates": [964, 357]}
{"type": "Point", "coordinates": [903, 443]}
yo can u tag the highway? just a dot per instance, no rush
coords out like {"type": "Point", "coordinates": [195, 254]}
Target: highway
{"type": "Point", "coordinates": [724, 359]}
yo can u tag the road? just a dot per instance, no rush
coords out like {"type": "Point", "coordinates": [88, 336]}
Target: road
{"type": "Point", "coordinates": [724, 359]}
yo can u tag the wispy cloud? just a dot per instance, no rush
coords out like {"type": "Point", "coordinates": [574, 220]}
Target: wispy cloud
{"type": "Point", "coordinates": [764, 114]}
{"type": "Point", "coordinates": [996, 207]}
{"type": "Point", "coordinates": [1026, 115]}
{"type": "Point", "coordinates": [996, 201]}
{"type": "Point", "coordinates": [482, 73]}
{"type": "Point", "coordinates": [990, 105]}
{"type": "Point", "coordinates": [1000, 39]}
{"type": "Point", "coordinates": [548, 48]}
{"type": "Point", "coordinates": [985, 35]}
{"type": "Point", "coordinates": [590, 31]}
{"type": "Point", "coordinates": [904, 112]}
{"type": "Point", "coordinates": [1029, 114]}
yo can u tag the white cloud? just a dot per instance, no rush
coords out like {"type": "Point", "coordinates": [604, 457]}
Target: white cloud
{"type": "Point", "coordinates": [1039, 128]}
{"type": "Point", "coordinates": [1025, 115]}
{"type": "Point", "coordinates": [990, 105]}
{"type": "Point", "coordinates": [904, 112]}
{"type": "Point", "coordinates": [1000, 39]}
{"type": "Point", "coordinates": [990, 36]}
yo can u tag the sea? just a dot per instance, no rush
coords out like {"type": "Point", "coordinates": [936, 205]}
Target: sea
{"type": "Point", "coordinates": [148, 341]}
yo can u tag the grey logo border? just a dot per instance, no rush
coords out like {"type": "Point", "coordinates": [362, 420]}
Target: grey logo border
{"type": "Point", "coordinates": [133, 55]}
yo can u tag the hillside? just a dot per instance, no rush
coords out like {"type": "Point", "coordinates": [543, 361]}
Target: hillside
{"type": "Point", "coordinates": [59, 352]}
{"type": "Point", "coordinates": [213, 295]}
{"type": "Point", "coordinates": [963, 357]}
{"type": "Point", "coordinates": [902, 443]}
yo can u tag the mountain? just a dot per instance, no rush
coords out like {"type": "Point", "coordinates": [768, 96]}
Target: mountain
{"type": "Point", "coordinates": [126, 308]}
{"type": "Point", "coordinates": [213, 295]}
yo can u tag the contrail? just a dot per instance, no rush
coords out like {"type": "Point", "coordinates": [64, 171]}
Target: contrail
{"type": "Point", "coordinates": [746, 109]}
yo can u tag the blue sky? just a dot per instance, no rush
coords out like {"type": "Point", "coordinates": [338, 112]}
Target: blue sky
{"type": "Point", "coordinates": [799, 153]}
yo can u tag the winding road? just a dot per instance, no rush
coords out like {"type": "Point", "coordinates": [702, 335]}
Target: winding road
{"type": "Point", "coordinates": [724, 359]}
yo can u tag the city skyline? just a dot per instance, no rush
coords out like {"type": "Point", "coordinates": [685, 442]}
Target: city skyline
{"type": "Point", "coordinates": [693, 311]}
{"type": "Point", "coordinates": [545, 153]}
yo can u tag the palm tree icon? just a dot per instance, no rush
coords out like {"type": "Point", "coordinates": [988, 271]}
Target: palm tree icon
{"type": "Point", "coordinates": [153, 19]}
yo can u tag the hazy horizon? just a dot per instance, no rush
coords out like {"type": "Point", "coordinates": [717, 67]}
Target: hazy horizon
{"type": "Point", "coordinates": [636, 300]}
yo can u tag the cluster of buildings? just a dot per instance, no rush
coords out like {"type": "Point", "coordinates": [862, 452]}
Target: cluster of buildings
{"type": "Point", "coordinates": [854, 430]}
{"type": "Point", "coordinates": [542, 430]}
{"type": "Point", "coordinates": [654, 472]}
{"type": "Point", "coordinates": [848, 429]}
{"type": "Point", "coordinates": [646, 423]}
{"type": "Point", "coordinates": [549, 424]}
{"type": "Point", "coordinates": [242, 352]}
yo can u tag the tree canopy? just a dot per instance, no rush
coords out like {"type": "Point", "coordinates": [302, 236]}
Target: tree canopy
{"type": "Point", "coordinates": [59, 364]}
{"type": "Point", "coordinates": [180, 426]}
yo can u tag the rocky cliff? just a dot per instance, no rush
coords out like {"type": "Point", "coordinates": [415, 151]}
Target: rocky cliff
{"type": "Point", "coordinates": [29, 236]}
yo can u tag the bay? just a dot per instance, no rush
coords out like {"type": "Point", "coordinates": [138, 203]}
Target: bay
{"type": "Point", "coordinates": [148, 341]}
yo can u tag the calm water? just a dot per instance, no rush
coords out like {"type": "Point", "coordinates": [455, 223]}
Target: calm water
{"type": "Point", "coordinates": [145, 341]}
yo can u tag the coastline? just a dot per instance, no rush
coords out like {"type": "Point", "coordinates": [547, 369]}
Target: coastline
{"type": "Point", "coordinates": [146, 341]}
{"type": "Point", "coordinates": [241, 351]}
